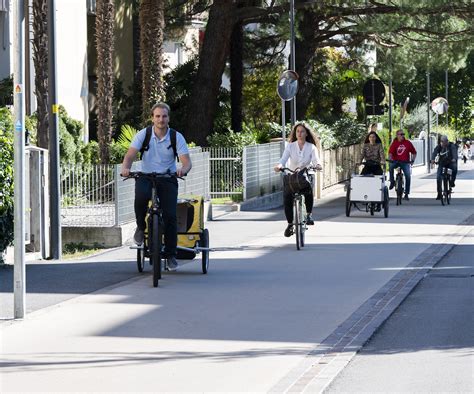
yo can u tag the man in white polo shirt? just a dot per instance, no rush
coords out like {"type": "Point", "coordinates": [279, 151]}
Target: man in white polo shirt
{"type": "Point", "coordinates": [159, 157]}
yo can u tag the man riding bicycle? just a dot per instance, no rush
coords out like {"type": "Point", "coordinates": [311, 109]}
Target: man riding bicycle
{"type": "Point", "coordinates": [447, 153]}
{"type": "Point", "coordinates": [163, 145]}
{"type": "Point", "coordinates": [301, 152]}
{"type": "Point", "coordinates": [399, 154]}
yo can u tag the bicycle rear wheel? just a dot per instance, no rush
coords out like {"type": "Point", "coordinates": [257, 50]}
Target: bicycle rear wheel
{"type": "Point", "coordinates": [348, 201]}
{"type": "Point", "coordinates": [155, 253]}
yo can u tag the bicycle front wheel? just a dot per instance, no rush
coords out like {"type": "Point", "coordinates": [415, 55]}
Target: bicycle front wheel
{"type": "Point", "coordinates": [155, 253]}
{"type": "Point", "coordinates": [399, 190]}
{"type": "Point", "coordinates": [444, 196]}
{"type": "Point", "coordinates": [296, 220]}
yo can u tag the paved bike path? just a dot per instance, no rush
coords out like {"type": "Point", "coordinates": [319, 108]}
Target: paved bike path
{"type": "Point", "coordinates": [246, 326]}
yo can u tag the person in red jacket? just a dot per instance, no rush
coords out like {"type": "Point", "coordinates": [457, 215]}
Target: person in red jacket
{"type": "Point", "coordinates": [402, 154]}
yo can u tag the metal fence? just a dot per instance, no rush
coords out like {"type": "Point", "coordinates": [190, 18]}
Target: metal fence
{"type": "Point", "coordinates": [339, 164]}
{"type": "Point", "coordinates": [258, 175]}
{"type": "Point", "coordinates": [197, 182]}
{"type": "Point", "coordinates": [420, 146]}
{"type": "Point", "coordinates": [226, 175]}
{"type": "Point", "coordinates": [87, 195]}
{"type": "Point", "coordinates": [97, 195]}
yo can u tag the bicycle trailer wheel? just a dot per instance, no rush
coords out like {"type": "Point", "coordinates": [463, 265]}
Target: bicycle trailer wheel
{"type": "Point", "coordinates": [205, 253]}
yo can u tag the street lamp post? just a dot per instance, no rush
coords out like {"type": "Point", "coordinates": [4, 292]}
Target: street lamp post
{"type": "Point", "coordinates": [292, 57]}
{"type": "Point", "coordinates": [428, 141]}
{"type": "Point", "coordinates": [55, 201]}
{"type": "Point", "coordinates": [19, 275]}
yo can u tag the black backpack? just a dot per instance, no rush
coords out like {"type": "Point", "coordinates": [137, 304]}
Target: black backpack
{"type": "Point", "coordinates": [445, 154]}
{"type": "Point", "coordinates": [146, 142]}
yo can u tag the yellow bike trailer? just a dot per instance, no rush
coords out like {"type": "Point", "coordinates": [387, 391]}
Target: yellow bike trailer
{"type": "Point", "coordinates": [193, 238]}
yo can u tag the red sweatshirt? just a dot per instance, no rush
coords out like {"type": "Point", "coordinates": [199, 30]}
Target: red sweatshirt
{"type": "Point", "coordinates": [401, 150]}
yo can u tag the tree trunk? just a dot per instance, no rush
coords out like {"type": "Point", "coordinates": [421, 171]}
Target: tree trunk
{"type": "Point", "coordinates": [40, 60]}
{"type": "Point", "coordinates": [236, 77]}
{"type": "Point", "coordinates": [305, 49]}
{"type": "Point", "coordinates": [152, 25]}
{"type": "Point", "coordinates": [105, 17]}
{"type": "Point", "coordinates": [212, 59]}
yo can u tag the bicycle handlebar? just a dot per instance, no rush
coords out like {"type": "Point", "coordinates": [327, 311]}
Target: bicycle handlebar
{"type": "Point", "coordinates": [311, 168]}
{"type": "Point", "coordinates": [400, 161]}
{"type": "Point", "coordinates": [152, 175]}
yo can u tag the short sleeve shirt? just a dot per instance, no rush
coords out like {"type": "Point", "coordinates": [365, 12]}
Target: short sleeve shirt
{"type": "Point", "coordinates": [160, 156]}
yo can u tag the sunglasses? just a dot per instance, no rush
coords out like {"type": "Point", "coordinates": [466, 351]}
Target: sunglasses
{"type": "Point", "coordinates": [402, 134]}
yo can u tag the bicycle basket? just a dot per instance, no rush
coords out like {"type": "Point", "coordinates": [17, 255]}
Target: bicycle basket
{"type": "Point", "coordinates": [297, 182]}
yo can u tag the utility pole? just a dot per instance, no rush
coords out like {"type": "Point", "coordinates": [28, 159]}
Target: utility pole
{"type": "Point", "coordinates": [446, 95]}
{"type": "Point", "coordinates": [292, 57]}
{"type": "Point", "coordinates": [54, 198]}
{"type": "Point", "coordinates": [428, 140]}
{"type": "Point", "coordinates": [390, 126]}
{"type": "Point", "coordinates": [19, 274]}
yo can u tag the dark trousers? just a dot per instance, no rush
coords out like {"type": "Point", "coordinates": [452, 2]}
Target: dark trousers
{"type": "Point", "coordinates": [406, 171]}
{"type": "Point", "coordinates": [288, 202]}
{"type": "Point", "coordinates": [167, 191]}
{"type": "Point", "coordinates": [375, 169]}
{"type": "Point", "coordinates": [439, 175]}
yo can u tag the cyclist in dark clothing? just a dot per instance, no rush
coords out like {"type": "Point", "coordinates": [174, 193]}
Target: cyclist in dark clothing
{"type": "Point", "coordinates": [447, 153]}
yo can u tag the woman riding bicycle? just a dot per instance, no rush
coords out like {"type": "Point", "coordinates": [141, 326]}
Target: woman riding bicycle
{"type": "Point", "coordinates": [301, 152]}
{"type": "Point", "coordinates": [372, 154]}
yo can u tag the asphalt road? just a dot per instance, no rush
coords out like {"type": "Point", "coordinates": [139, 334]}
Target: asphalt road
{"type": "Point", "coordinates": [427, 345]}
{"type": "Point", "coordinates": [259, 321]}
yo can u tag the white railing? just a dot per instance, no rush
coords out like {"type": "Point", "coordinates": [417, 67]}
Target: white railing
{"type": "Point", "coordinates": [87, 195]}
{"type": "Point", "coordinates": [259, 178]}
{"type": "Point", "coordinates": [225, 169]}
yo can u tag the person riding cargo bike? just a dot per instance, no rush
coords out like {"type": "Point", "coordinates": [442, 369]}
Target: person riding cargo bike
{"type": "Point", "coordinates": [159, 145]}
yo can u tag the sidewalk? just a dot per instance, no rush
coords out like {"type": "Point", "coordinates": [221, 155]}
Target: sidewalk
{"type": "Point", "coordinates": [263, 318]}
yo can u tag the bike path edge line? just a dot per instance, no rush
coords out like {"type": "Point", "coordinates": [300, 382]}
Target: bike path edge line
{"type": "Point", "coordinates": [327, 359]}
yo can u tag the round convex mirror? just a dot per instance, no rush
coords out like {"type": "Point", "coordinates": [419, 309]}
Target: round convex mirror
{"type": "Point", "coordinates": [288, 85]}
{"type": "Point", "coordinates": [404, 107]}
{"type": "Point", "coordinates": [439, 105]}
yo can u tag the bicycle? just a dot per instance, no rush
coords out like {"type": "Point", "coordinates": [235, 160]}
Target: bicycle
{"type": "Point", "coordinates": [446, 186]}
{"type": "Point", "coordinates": [368, 190]}
{"type": "Point", "coordinates": [299, 216]}
{"type": "Point", "coordinates": [399, 180]}
{"type": "Point", "coordinates": [153, 242]}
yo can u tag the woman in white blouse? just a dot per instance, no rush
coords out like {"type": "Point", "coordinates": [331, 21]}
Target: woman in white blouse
{"type": "Point", "coordinates": [300, 152]}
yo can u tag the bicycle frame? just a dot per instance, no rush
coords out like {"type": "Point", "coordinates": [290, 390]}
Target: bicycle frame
{"type": "Point", "coordinates": [155, 225]}
{"type": "Point", "coordinates": [399, 180]}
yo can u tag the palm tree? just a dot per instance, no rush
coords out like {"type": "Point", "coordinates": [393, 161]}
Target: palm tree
{"type": "Point", "coordinates": [40, 60]}
{"type": "Point", "coordinates": [104, 35]}
{"type": "Point", "coordinates": [152, 25]}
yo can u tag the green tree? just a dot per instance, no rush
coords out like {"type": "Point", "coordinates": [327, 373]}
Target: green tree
{"type": "Point", "coordinates": [347, 24]}
{"type": "Point", "coordinates": [152, 25]}
{"type": "Point", "coordinates": [40, 60]}
{"type": "Point", "coordinates": [105, 14]}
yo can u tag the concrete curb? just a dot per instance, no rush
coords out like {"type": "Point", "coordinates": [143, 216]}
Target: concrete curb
{"type": "Point", "coordinates": [326, 360]}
